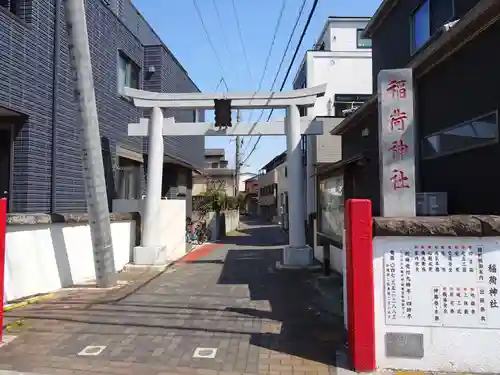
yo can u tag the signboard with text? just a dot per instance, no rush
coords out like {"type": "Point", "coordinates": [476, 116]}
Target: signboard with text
{"type": "Point", "coordinates": [442, 282]}
{"type": "Point", "coordinates": [397, 142]}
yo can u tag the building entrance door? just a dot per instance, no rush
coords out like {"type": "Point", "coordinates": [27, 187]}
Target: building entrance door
{"type": "Point", "coordinates": [5, 162]}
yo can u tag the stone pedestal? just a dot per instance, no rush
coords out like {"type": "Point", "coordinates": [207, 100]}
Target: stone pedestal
{"type": "Point", "coordinates": [297, 258]}
{"type": "Point", "coordinates": [150, 255]}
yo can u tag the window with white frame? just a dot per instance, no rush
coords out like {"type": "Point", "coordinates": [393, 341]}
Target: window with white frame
{"type": "Point", "coordinates": [478, 132]}
{"type": "Point", "coordinates": [128, 73]}
{"type": "Point", "coordinates": [420, 26]}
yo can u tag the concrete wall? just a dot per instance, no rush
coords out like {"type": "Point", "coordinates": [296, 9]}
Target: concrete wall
{"type": "Point", "coordinates": [42, 258]}
{"type": "Point", "coordinates": [231, 222]}
{"type": "Point", "coordinates": [171, 224]}
{"type": "Point", "coordinates": [455, 343]}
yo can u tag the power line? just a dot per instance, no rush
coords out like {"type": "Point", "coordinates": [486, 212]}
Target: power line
{"type": "Point", "coordinates": [266, 64]}
{"type": "Point", "coordinates": [209, 39]}
{"type": "Point", "coordinates": [222, 80]}
{"type": "Point", "coordinates": [301, 10]}
{"type": "Point", "coordinates": [289, 43]}
{"type": "Point", "coordinates": [306, 26]}
{"type": "Point", "coordinates": [280, 17]}
{"type": "Point", "coordinates": [224, 34]}
{"type": "Point", "coordinates": [240, 35]}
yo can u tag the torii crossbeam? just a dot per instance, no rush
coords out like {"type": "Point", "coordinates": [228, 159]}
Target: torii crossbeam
{"type": "Point", "coordinates": [297, 253]}
{"type": "Point", "coordinates": [172, 128]}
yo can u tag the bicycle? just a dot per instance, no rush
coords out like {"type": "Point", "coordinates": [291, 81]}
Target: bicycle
{"type": "Point", "coordinates": [196, 232]}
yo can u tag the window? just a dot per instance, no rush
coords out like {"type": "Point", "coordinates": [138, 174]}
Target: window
{"type": "Point", "coordinates": [286, 172]}
{"type": "Point", "coordinates": [362, 42]}
{"type": "Point", "coordinates": [214, 165]}
{"type": "Point", "coordinates": [128, 182]}
{"type": "Point", "coordinates": [475, 133]}
{"type": "Point", "coordinates": [128, 73]}
{"type": "Point", "coordinates": [20, 8]}
{"type": "Point", "coordinates": [420, 26]}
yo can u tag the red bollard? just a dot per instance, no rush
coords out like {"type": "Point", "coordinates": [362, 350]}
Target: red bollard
{"type": "Point", "coordinates": [360, 287]}
{"type": "Point", "coordinates": [3, 230]}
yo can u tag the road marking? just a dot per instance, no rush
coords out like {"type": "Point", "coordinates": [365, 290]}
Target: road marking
{"type": "Point", "coordinates": [92, 350]}
{"type": "Point", "coordinates": [6, 339]}
{"type": "Point", "coordinates": [205, 353]}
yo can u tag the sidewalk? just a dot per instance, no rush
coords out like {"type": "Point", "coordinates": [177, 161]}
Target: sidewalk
{"type": "Point", "coordinates": [226, 303]}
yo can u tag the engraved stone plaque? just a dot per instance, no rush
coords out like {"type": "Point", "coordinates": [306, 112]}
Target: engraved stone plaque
{"type": "Point", "coordinates": [404, 345]}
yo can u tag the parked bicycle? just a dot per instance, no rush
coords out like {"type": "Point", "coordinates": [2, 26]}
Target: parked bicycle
{"type": "Point", "coordinates": [196, 232]}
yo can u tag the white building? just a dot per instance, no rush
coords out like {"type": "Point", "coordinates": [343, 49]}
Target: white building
{"type": "Point", "coordinates": [243, 177]}
{"type": "Point", "coordinates": [343, 59]}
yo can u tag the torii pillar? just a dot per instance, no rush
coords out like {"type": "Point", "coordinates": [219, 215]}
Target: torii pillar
{"type": "Point", "coordinates": [297, 254]}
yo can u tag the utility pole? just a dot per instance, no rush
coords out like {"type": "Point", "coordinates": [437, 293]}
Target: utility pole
{"type": "Point", "coordinates": [93, 169]}
{"type": "Point", "coordinates": [237, 157]}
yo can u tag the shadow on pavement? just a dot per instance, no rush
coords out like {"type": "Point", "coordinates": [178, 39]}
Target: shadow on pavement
{"type": "Point", "coordinates": [305, 331]}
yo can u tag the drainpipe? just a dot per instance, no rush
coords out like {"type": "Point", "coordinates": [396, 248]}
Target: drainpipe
{"type": "Point", "coordinates": [55, 99]}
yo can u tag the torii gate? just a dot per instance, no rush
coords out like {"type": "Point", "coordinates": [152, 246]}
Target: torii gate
{"type": "Point", "coordinates": [297, 253]}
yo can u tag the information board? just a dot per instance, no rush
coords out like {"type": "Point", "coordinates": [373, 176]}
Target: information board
{"type": "Point", "coordinates": [449, 283]}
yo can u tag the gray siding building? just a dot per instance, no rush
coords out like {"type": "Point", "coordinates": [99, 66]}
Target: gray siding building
{"type": "Point", "coordinates": [40, 148]}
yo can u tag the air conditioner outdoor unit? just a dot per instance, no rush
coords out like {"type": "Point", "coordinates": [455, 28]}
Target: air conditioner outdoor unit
{"type": "Point", "coordinates": [432, 204]}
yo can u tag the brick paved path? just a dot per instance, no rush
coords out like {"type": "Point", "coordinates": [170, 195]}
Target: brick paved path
{"type": "Point", "coordinates": [261, 321]}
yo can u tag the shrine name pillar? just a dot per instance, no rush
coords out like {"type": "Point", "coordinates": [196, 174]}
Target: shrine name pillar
{"type": "Point", "coordinates": [151, 251]}
{"type": "Point", "coordinates": [297, 253]}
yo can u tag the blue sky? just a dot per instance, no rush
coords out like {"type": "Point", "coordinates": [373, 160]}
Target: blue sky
{"type": "Point", "coordinates": [178, 24]}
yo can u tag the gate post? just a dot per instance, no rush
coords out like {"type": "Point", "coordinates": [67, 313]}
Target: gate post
{"type": "Point", "coordinates": [360, 286]}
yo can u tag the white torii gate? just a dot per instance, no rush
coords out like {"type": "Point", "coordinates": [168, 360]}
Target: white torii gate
{"type": "Point", "coordinates": [297, 253]}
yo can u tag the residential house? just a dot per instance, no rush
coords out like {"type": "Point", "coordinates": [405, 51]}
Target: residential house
{"type": "Point", "coordinates": [251, 196]}
{"type": "Point", "coordinates": [456, 113]}
{"type": "Point", "coordinates": [342, 58]}
{"type": "Point", "coordinates": [40, 145]}
{"type": "Point", "coordinates": [216, 174]}
{"type": "Point", "coordinates": [282, 187]}
{"type": "Point", "coordinates": [268, 188]}
{"type": "Point", "coordinates": [243, 178]}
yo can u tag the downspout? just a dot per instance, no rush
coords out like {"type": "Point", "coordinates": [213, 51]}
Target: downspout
{"type": "Point", "coordinates": [55, 100]}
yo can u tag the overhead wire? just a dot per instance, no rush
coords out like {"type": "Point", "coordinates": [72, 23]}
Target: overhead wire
{"type": "Point", "coordinates": [221, 67]}
{"type": "Point", "coordinates": [224, 34]}
{"type": "Point", "coordinates": [240, 35]}
{"type": "Point", "coordinates": [266, 63]}
{"type": "Point", "coordinates": [306, 26]}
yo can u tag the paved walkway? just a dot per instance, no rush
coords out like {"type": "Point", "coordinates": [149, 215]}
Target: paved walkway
{"type": "Point", "coordinates": [229, 298]}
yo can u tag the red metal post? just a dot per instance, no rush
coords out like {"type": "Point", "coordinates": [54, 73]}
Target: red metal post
{"type": "Point", "coordinates": [3, 230]}
{"type": "Point", "coordinates": [360, 288]}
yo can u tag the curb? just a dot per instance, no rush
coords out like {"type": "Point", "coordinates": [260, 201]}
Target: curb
{"type": "Point", "coordinates": [26, 302]}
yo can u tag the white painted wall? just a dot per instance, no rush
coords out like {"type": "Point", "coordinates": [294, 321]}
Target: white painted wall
{"type": "Point", "coordinates": [172, 223]}
{"type": "Point", "coordinates": [282, 180]}
{"type": "Point", "coordinates": [344, 72]}
{"type": "Point", "coordinates": [243, 177]}
{"type": "Point", "coordinates": [339, 33]}
{"type": "Point", "coordinates": [42, 258]}
{"type": "Point", "coordinates": [342, 35]}
{"type": "Point", "coordinates": [458, 349]}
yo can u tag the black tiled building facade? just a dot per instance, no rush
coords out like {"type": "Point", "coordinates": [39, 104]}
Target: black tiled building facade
{"type": "Point", "coordinates": [38, 110]}
{"type": "Point", "coordinates": [449, 44]}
